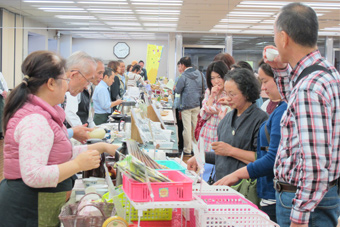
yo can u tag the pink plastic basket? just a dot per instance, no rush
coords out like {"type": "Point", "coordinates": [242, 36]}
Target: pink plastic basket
{"type": "Point", "coordinates": [178, 190]}
{"type": "Point", "coordinates": [229, 199]}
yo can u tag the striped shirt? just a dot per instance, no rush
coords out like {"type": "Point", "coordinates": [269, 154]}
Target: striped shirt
{"type": "Point", "coordinates": [208, 133]}
{"type": "Point", "coordinates": [308, 155]}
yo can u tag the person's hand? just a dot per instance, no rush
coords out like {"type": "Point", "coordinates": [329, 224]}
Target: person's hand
{"type": "Point", "coordinates": [212, 109]}
{"type": "Point", "coordinates": [214, 91]}
{"type": "Point", "coordinates": [298, 225]}
{"type": "Point", "coordinates": [192, 164]}
{"type": "Point", "coordinates": [223, 101]}
{"type": "Point", "coordinates": [88, 160]}
{"type": "Point", "coordinates": [221, 148]}
{"type": "Point", "coordinates": [277, 63]}
{"type": "Point", "coordinates": [119, 101]}
{"type": "Point", "coordinates": [80, 133]}
{"type": "Point", "coordinates": [228, 180]}
{"type": "Point", "coordinates": [110, 149]}
{"type": "Point", "coordinates": [4, 94]}
{"type": "Point", "coordinates": [222, 113]}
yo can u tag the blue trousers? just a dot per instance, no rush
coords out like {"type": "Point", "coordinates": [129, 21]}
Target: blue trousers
{"type": "Point", "coordinates": [325, 214]}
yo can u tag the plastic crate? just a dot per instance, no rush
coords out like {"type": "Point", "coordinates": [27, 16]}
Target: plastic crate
{"type": "Point", "coordinates": [230, 199]}
{"type": "Point", "coordinates": [128, 212]}
{"type": "Point", "coordinates": [171, 164]}
{"type": "Point", "coordinates": [223, 204]}
{"type": "Point", "coordinates": [240, 220]}
{"type": "Point", "coordinates": [176, 221]}
{"type": "Point", "coordinates": [180, 189]}
{"type": "Point", "coordinates": [214, 189]}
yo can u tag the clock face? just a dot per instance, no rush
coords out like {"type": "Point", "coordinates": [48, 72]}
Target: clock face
{"type": "Point", "coordinates": [121, 50]}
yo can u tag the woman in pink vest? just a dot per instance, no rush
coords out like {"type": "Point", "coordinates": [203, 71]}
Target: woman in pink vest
{"type": "Point", "coordinates": [39, 160]}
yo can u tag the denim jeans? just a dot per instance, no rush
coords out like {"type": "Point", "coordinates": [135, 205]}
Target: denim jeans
{"type": "Point", "coordinates": [325, 214]}
{"type": "Point", "coordinates": [270, 211]}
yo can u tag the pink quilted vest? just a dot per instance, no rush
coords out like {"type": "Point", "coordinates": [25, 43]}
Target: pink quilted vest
{"type": "Point", "coordinates": [61, 150]}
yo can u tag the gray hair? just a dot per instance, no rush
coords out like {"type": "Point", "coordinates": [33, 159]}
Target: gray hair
{"type": "Point", "coordinates": [80, 60]}
{"type": "Point", "coordinates": [98, 60]}
{"type": "Point", "coordinates": [300, 22]}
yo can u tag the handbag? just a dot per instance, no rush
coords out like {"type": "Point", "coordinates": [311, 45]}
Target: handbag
{"type": "Point", "coordinates": [199, 125]}
{"type": "Point", "coordinates": [247, 187]}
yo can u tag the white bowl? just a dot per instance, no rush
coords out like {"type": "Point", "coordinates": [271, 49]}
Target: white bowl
{"type": "Point", "coordinates": [271, 54]}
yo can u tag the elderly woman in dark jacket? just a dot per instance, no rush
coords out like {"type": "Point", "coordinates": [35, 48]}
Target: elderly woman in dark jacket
{"type": "Point", "coordinates": [238, 130]}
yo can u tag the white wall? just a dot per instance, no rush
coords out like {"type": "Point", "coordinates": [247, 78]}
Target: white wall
{"type": "Point", "coordinates": [12, 36]}
{"type": "Point", "coordinates": [32, 26]}
{"type": "Point", "coordinates": [36, 42]}
{"type": "Point", "coordinates": [104, 49]}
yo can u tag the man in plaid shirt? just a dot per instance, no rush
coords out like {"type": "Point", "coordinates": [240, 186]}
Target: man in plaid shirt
{"type": "Point", "coordinates": [307, 164]}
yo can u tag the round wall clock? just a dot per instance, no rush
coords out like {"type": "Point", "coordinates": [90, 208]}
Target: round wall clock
{"type": "Point", "coordinates": [121, 50]}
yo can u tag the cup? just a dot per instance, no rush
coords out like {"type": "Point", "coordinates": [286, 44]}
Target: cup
{"type": "Point", "coordinates": [271, 54]}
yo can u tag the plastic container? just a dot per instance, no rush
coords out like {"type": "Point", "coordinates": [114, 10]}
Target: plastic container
{"type": "Point", "coordinates": [221, 208]}
{"type": "Point", "coordinates": [231, 199]}
{"type": "Point", "coordinates": [164, 145]}
{"type": "Point", "coordinates": [171, 164]}
{"type": "Point", "coordinates": [178, 190]}
{"type": "Point", "coordinates": [128, 212]}
{"type": "Point", "coordinates": [254, 220]}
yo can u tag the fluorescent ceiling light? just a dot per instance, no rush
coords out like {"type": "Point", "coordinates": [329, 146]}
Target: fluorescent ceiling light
{"type": "Point", "coordinates": [105, 3]}
{"type": "Point", "coordinates": [112, 10]}
{"type": "Point", "coordinates": [75, 17]}
{"type": "Point", "coordinates": [231, 20]}
{"type": "Point", "coordinates": [83, 23]}
{"type": "Point", "coordinates": [260, 6]}
{"type": "Point", "coordinates": [240, 26]}
{"type": "Point", "coordinates": [224, 30]}
{"type": "Point", "coordinates": [262, 27]}
{"type": "Point", "coordinates": [165, 1]}
{"type": "Point", "coordinates": [127, 28]}
{"type": "Point", "coordinates": [158, 18]}
{"type": "Point", "coordinates": [156, 11]}
{"type": "Point", "coordinates": [158, 29]}
{"type": "Point", "coordinates": [264, 3]}
{"type": "Point", "coordinates": [333, 29]}
{"type": "Point", "coordinates": [123, 23]}
{"type": "Point", "coordinates": [159, 25]}
{"type": "Point", "coordinates": [253, 13]}
{"type": "Point", "coordinates": [118, 18]}
{"type": "Point", "coordinates": [57, 8]}
{"type": "Point", "coordinates": [257, 31]}
{"type": "Point", "coordinates": [156, 4]}
{"type": "Point", "coordinates": [268, 22]}
{"type": "Point", "coordinates": [51, 2]}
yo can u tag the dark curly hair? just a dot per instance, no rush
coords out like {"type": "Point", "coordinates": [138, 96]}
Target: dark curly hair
{"type": "Point", "coordinates": [246, 82]}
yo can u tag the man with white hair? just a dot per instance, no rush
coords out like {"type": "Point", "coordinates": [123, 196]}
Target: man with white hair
{"type": "Point", "coordinates": [77, 108]}
{"type": "Point", "coordinates": [80, 69]}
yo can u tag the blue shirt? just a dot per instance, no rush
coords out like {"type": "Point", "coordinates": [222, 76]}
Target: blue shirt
{"type": "Point", "coordinates": [101, 99]}
{"type": "Point", "coordinates": [262, 168]}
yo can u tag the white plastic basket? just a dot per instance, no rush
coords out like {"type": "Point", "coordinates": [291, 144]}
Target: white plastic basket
{"type": "Point", "coordinates": [211, 189]}
{"type": "Point", "coordinates": [224, 220]}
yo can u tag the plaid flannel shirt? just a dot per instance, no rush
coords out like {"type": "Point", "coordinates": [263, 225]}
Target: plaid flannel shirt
{"type": "Point", "coordinates": [308, 155]}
